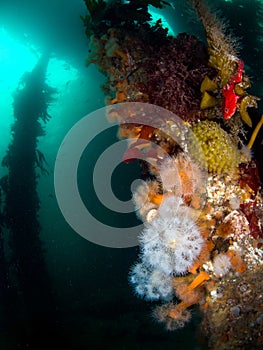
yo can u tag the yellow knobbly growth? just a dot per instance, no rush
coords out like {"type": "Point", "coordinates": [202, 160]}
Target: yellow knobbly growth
{"type": "Point", "coordinates": [220, 152]}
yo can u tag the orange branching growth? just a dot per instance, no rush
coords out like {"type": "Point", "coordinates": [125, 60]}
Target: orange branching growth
{"type": "Point", "coordinates": [120, 97]}
{"type": "Point", "coordinates": [195, 202]}
{"type": "Point", "coordinates": [204, 256]}
{"type": "Point", "coordinates": [173, 316]}
{"type": "Point", "coordinates": [237, 262]}
{"type": "Point", "coordinates": [156, 198]}
{"type": "Point", "coordinates": [200, 279]}
{"type": "Point", "coordinates": [146, 132]}
{"type": "Point", "coordinates": [177, 311]}
{"type": "Point", "coordinates": [224, 230]}
{"type": "Point", "coordinates": [190, 294]}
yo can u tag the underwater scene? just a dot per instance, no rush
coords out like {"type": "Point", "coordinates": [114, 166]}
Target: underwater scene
{"type": "Point", "coordinates": [131, 202]}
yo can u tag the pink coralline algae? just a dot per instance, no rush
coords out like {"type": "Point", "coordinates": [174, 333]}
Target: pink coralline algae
{"type": "Point", "coordinates": [174, 75]}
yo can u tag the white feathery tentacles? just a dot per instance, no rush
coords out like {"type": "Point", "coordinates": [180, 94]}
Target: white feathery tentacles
{"type": "Point", "coordinates": [169, 243]}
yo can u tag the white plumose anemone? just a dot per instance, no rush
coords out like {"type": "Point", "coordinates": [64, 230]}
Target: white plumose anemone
{"type": "Point", "coordinates": [172, 240]}
{"type": "Point", "coordinates": [151, 284]}
{"type": "Point", "coordinates": [181, 175]}
{"type": "Point", "coordinates": [221, 264]}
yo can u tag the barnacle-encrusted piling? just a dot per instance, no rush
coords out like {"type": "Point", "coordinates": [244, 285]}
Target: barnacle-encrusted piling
{"type": "Point", "coordinates": [201, 204]}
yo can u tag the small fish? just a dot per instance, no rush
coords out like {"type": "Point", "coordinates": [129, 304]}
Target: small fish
{"type": "Point", "coordinates": [230, 97]}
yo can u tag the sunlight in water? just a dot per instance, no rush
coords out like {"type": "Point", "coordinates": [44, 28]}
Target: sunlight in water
{"type": "Point", "coordinates": [16, 58]}
{"type": "Point", "coordinates": [157, 15]}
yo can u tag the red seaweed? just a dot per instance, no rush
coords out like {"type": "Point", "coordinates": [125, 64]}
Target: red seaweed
{"type": "Point", "coordinates": [249, 175]}
{"type": "Point", "coordinates": [254, 223]}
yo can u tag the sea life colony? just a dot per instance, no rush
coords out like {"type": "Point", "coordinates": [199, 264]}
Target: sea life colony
{"type": "Point", "coordinates": [201, 202]}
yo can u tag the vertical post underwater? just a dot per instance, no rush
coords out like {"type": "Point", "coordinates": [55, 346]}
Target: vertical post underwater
{"type": "Point", "coordinates": [32, 306]}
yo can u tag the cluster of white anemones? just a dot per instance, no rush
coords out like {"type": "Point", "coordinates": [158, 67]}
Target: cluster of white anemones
{"type": "Point", "coordinates": [181, 175]}
{"type": "Point", "coordinates": [169, 244]}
